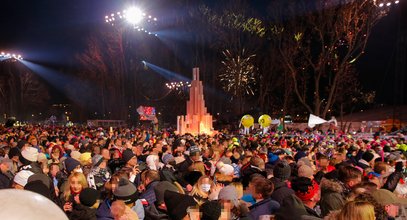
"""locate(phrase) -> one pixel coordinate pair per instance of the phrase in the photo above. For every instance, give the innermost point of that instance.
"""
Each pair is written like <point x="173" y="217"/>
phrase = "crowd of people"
<point x="134" y="173"/>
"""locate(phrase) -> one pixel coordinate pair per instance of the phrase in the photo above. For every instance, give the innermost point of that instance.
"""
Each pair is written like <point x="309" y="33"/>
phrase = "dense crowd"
<point x="123" y="173"/>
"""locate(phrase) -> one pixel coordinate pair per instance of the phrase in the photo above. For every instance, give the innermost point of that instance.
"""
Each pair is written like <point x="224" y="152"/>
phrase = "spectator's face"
<point x="54" y="170"/>
<point x="105" y="154"/>
<point x="132" y="162"/>
<point x="323" y="163"/>
<point x="75" y="185"/>
<point x="392" y="210"/>
<point x="4" y="167"/>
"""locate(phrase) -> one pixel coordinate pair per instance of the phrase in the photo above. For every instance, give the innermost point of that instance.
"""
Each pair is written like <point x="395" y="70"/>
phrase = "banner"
<point x="147" y="113"/>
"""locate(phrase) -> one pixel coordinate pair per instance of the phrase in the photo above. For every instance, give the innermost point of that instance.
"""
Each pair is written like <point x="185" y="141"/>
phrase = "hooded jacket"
<point x="332" y="197"/>
<point x="296" y="209"/>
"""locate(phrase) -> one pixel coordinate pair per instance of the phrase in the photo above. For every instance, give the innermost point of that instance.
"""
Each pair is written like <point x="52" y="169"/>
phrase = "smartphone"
<point x="142" y="166"/>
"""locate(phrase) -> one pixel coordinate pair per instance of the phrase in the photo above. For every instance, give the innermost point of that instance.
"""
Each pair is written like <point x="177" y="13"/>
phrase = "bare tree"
<point x="318" y="41"/>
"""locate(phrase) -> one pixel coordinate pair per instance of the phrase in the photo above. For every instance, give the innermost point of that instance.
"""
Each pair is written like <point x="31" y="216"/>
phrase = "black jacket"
<point x="392" y="181"/>
<point x="81" y="212"/>
<point x="281" y="190"/>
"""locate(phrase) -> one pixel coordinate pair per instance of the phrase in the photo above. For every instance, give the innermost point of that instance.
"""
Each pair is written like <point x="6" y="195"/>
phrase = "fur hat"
<point x="30" y="154"/>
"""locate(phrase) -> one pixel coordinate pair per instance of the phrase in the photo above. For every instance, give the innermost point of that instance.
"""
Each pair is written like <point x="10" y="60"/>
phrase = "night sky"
<point x="53" y="31"/>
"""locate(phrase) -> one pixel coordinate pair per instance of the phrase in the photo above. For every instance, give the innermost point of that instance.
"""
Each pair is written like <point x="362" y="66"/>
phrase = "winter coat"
<point x="81" y="212"/>
<point x="264" y="207"/>
<point x="392" y="181"/>
<point x="292" y="208"/>
<point x="33" y="167"/>
<point x="332" y="197"/>
<point x="5" y="181"/>
<point x="281" y="190"/>
<point x="149" y="193"/>
<point x="103" y="212"/>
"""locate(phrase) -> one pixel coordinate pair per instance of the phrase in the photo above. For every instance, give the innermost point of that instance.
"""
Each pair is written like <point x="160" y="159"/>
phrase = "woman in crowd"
<point x="70" y="195"/>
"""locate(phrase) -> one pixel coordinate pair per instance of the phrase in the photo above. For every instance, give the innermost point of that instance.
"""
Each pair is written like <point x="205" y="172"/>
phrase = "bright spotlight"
<point x="134" y="15"/>
<point x="381" y="5"/>
<point x="388" y="3"/>
<point x="396" y="2"/>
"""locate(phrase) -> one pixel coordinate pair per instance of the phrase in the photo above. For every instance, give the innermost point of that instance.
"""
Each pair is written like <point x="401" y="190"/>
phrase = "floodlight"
<point x="134" y="15"/>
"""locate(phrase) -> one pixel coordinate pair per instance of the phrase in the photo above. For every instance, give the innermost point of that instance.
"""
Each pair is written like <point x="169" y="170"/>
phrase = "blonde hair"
<point x="197" y="166"/>
<point x="82" y="180"/>
<point x="357" y="210"/>
<point x="239" y="189"/>
<point x="196" y="189"/>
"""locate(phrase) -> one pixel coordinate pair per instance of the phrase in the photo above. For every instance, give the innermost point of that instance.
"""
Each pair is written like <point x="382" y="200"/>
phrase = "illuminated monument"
<point x="197" y="120"/>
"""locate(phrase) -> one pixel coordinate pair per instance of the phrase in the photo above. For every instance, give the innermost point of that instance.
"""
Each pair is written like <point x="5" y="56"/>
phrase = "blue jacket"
<point x="264" y="207"/>
<point x="103" y="212"/>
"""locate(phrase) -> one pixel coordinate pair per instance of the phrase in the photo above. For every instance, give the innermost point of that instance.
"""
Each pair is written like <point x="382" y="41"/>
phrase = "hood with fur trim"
<point x="331" y="185"/>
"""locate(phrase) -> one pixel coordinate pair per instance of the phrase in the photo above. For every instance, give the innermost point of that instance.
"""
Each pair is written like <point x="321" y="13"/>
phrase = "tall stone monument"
<point x="197" y="120"/>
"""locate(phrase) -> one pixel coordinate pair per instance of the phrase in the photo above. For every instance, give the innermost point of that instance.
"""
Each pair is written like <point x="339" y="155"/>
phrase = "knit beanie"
<point x="125" y="191"/>
<point x="367" y="156"/>
<point x="127" y="155"/>
<point x="282" y="171"/>
<point x="210" y="210"/>
<point x="30" y="154"/>
<point x="70" y="164"/>
<point x="304" y="188"/>
<point x="89" y="196"/>
<point x="97" y="160"/>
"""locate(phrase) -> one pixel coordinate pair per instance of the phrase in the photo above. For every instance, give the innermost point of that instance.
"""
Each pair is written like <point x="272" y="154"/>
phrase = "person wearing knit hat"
<point x="89" y="197"/>
<point x="366" y="161"/>
<point x="99" y="174"/>
<point x="71" y="164"/>
<point x="282" y="171"/>
<point x="301" y="204"/>
<point x="306" y="171"/>
<point x="125" y="191"/>
<point x="28" y="158"/>
<point x="178" y="209"/>
<point x="21" y="179"/>
<point x="210" y="210"/>
<point x="89" y="202"/>
<point x="30" y="154"/>
<point x="129" y="158"/>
